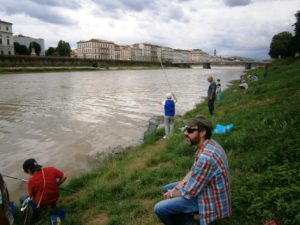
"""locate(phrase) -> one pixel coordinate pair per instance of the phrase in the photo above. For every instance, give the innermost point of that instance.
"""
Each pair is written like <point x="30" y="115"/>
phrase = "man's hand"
<point x="168" y="194"/>
<point x="61" y="180"/>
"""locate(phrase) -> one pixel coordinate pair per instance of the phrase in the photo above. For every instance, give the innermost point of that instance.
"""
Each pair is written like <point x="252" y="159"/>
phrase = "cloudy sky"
<point x="232" y="27"/>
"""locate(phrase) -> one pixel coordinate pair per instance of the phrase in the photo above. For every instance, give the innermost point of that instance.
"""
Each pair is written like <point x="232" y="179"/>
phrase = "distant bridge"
<point x="207" y="65"/>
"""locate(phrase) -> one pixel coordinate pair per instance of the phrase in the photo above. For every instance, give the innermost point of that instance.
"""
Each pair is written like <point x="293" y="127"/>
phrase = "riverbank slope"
<point x="263" y="151"/>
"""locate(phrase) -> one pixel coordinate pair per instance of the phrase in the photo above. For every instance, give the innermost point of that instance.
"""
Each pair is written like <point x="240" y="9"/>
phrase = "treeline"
<point x="284" y="44"/>
<point x="24" y="50"/>
<point x="62" y="49"/>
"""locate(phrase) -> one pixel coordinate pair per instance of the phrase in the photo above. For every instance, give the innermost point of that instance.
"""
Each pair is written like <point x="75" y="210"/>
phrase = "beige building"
<point x="155" y="53"/>
<point x="182" y="56"/>
<point x="6" y="39"/>
<point x="199" y="56"/>
<point x="136" y="54"/>
<point x="101" y="49"/>
<point x="158" y="49"/>
<point x="167" y="54"/>
<point x="96" y="49"/>
<point x="146" y="51"/>
<point x="125" y="52"/>
<point x="177" y="58"/>
<point x="117" y="52"/>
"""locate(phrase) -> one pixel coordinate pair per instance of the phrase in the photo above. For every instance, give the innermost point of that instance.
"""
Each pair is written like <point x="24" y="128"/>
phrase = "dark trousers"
<point x="183" y="219"/>
<point x="211" y="106"/>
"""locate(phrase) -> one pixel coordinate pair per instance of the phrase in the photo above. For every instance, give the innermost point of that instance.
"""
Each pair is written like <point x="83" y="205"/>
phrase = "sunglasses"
<point x="191" y="129"/>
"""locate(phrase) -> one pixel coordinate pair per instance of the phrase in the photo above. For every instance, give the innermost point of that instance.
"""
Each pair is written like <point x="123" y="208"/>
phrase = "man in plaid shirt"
<point x="205" y="189"/>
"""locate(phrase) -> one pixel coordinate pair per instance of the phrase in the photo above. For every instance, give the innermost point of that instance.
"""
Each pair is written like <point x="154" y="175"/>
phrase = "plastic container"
<point x="223" y="129"/>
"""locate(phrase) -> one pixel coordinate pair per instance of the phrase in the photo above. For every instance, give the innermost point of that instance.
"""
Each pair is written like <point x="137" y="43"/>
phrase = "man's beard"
<point x="191" y="142"/>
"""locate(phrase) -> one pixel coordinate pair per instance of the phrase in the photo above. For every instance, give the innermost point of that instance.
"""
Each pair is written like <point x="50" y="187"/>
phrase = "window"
<point x="6" y="27"/>
<point x="2" y="52"/>
<point x="0" y="41"/>
<point x="9" y="53"/>
<point x="8" y="41"/>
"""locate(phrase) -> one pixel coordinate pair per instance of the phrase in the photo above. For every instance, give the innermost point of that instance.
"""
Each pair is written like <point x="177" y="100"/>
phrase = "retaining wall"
<point x="43" y="61"/>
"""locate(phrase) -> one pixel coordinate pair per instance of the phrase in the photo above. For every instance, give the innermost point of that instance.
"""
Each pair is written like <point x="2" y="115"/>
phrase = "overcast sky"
<point x="232" y="27"/>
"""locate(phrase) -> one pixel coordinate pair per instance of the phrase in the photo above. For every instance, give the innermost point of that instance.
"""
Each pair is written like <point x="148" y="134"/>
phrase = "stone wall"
<point x="45" y="61"/>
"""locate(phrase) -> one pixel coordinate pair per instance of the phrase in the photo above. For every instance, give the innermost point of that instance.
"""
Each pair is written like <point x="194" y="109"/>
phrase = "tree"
<point x="21" y="49"/>
<point x="281" y="45"/>
<point x="63" y="48"/>
<point x="51" y="51"/>
<point x="36" y="46"/>
<point x="297" y="24"/>
<point x="296" y="38"/>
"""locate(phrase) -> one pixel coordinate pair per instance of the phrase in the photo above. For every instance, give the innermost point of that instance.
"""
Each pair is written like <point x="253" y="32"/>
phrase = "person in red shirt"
<point x="43" y="185"/>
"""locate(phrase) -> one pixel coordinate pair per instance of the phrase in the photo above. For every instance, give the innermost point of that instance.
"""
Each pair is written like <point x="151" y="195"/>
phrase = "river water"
<point x="65" y="119"/>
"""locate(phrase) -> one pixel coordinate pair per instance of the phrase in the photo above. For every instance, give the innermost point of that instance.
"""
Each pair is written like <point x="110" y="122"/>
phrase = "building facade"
<point x="155" y="53"/>
<point x="117" y="52"/>
<point x="186" y="56"/>
<point x="96" y="49"/>
<point x="125" y="51"/>
<point x="6" y="39"/>
<point x="167" y="54"/>
<point x="106" y="50"/>
<point x="136" y="54"/>
<point x="146" y="51"/>
<point x="198" y="56"/>
<point x="24" y="40"/>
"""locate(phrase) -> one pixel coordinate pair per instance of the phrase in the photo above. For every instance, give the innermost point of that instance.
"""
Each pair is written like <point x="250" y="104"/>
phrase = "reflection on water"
<point x="63" y="118"/>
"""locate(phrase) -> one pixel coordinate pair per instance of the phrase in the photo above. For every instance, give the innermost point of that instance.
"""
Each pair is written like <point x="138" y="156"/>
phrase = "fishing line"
<point x="165" y="74"/>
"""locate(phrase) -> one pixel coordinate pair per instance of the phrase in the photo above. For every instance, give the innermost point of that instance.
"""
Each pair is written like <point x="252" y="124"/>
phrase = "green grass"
<point x="263" y="151"/>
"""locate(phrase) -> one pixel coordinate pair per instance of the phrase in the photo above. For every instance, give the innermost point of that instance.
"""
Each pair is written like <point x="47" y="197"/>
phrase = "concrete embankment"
<point x="46" y="61"/>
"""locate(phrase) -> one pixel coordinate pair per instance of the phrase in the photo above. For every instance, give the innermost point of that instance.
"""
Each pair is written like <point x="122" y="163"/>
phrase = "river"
<point x="65" y="119"/>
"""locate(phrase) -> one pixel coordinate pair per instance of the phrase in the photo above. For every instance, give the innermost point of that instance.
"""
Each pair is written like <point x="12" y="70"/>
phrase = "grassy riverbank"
<point x="9" y="70"/>
<point x="263" y="152"/>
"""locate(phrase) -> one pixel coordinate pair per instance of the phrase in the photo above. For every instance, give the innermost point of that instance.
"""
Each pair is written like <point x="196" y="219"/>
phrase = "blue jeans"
<point x="177" y="210"/>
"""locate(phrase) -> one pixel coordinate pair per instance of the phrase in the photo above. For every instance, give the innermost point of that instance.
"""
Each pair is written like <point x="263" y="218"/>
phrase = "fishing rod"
<point x="20" y="179"/>
<point x="15" y="178"/>
<point x="165" y="74"/>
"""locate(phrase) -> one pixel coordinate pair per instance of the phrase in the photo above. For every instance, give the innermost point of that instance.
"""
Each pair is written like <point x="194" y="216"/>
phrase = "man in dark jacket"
<point x="211" y="94"/>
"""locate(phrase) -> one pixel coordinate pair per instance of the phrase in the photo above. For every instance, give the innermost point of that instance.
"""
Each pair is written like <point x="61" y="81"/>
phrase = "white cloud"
<point x="233" y="27"/>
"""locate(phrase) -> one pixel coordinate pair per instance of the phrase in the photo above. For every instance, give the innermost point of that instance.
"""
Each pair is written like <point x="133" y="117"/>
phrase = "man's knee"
<point x="157" y="208"/>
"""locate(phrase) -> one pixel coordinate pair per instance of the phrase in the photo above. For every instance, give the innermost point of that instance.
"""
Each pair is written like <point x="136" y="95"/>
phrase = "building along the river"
<point x="6" y="39"/>
<point x="96" y="49"/>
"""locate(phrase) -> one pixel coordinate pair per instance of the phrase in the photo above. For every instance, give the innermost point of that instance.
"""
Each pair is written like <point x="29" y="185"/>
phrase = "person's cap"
<point x="31" y="164"/>
<point x="168" y="95"/>
<point x="200" y="121"/>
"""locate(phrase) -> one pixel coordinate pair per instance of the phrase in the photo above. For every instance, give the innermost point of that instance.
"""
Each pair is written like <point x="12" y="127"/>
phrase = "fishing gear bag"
<point x="29" y="212"/>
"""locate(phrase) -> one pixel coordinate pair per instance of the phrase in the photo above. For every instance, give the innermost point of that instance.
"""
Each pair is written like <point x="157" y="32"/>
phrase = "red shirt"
<point x="48" y="189"/>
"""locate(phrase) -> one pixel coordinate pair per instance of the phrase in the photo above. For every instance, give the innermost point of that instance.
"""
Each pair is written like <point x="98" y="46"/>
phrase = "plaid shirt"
<point x="209" y="182"/>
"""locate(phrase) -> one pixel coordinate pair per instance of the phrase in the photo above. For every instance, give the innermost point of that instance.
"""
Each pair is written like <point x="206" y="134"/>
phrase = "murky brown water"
<point x="64" y="119"/>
